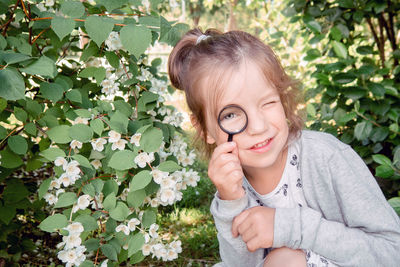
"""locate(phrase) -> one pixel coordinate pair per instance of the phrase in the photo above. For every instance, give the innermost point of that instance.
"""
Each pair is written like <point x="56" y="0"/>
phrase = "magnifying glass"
<point x="232" y="119"/>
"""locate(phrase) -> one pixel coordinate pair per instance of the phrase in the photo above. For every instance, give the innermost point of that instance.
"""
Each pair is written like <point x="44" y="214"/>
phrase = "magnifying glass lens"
<point x="233" y="119"/>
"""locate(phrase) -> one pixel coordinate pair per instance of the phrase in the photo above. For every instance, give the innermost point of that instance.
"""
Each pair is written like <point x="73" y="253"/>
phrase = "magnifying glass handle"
<point x="230" y="136"/>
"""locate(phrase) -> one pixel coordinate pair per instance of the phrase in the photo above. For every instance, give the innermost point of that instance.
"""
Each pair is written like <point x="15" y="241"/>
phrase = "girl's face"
<point x="262" y="144"/>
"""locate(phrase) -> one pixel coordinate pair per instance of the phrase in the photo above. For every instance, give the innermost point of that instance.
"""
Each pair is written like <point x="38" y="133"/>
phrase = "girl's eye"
<point x="229" y="116"/>
<point x="269" y="103"/>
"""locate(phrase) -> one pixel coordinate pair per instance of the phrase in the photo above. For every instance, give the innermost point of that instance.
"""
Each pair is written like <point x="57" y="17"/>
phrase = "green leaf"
<point x="171" y="35"/>
<point x="109" y="187"/>
<point x="384" y="171"/>
<point x="395" y="203"/>
<point x="15" y="191"/>
<point x="381" y="159"/>
<point x="98" y="28"/>
<point x="80" y="132"/>
<point x="109" y="251"/>
<point x="66" y="199"/>
<point x="98" y="73"/>
<point x="140" y="180"/>
<point x="135" y="198"/>
<point x="135" y="244"/>
<point x="52" y="153"/>
<point x="92" y="244"/>
<point x="52" y="223"/>
<point x="110" y="5"/>
<point x="44" y="187"/>
<point x="169" y="166"/>
<point x="88" y="222"/>
<point x="122" y="160"/>
<point x="12" y="85"/>
<point x="10" y="160"/>
<point x="62" y="26"/>
<point x="3" y="42"/>
<point x="135" y="39"/>
<point x="314" y="26"/>
<point x="10" y="57"/>
<point x="340" y="49"/>
<point x="18" y="144"/>
<point x="149" y="217"/>
<point x="113" y="59"/>
<point x="109" y="202"/>
<point x="7" y="214"/>
<point x="120" y="212"/>
<point x="151" y="140"/>
<point x="33" y="107"/>
<point x="83" y="161"/>
<point x="74" y="95"/>
<point x="59" y="134"/>
<point x="44" y="66"/>
<point x="51" y="91"/>
<point x="123" y="107"/>
<point x="311" y="110"/>
<point x="362" y="130"/>
<point x="119" y="122"/>
<point x="89" y="189"/>
<point x="72" y="9"/>
<point x="20" y="114"/>
<point x="97" y="126"/>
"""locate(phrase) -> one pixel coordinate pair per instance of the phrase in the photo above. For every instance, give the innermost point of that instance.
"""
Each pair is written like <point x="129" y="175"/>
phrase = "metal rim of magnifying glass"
<point x="232" y="106"/>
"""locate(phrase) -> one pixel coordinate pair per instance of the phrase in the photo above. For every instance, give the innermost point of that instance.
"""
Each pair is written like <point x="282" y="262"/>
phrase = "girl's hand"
<point x="256" y="226"/>
<point x="225" y="171"/>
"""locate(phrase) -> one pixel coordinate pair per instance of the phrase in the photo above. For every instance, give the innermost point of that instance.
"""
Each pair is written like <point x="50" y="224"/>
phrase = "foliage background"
<point x="345" y="54"/>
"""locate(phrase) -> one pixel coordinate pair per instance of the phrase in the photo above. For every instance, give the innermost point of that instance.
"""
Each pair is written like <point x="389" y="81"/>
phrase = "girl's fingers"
<point x="223" y="149"/>
<point x="237" y="221"/>
<point x="247" y="233"/>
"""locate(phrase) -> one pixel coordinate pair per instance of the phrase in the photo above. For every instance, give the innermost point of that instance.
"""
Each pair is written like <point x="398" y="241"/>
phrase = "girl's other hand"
<point x="225" y="171"/>
<point x="256" y="226"/>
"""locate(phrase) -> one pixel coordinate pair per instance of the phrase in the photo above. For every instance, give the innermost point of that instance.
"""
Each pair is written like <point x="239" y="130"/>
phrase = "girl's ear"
<point x="208" y="138"/>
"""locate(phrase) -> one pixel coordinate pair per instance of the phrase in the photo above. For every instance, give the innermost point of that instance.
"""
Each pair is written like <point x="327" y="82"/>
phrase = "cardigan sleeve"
<point x="366" y="234"/>
<point x="233" y="251"/>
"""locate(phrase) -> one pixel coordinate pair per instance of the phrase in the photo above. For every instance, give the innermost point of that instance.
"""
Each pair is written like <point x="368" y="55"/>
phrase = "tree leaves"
<point x="122" y="160"/>
<point x="98" y="28"/>
<point x="54" y="222"/>
<point x="12" y="86"/>
<point x="62" y="26"/>
<point x="44" y="66"/>
<point x="135" y="39"/>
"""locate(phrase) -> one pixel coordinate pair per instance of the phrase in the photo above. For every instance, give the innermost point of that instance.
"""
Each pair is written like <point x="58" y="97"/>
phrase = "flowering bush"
<point x="77" y="95"/>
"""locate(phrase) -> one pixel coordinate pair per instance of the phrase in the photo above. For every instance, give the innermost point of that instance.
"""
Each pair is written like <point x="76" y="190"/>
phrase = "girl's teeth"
<point x="261" y="144"/>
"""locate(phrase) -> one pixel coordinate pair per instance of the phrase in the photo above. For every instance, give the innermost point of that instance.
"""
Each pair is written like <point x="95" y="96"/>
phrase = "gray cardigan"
<point x="347" y="219"/>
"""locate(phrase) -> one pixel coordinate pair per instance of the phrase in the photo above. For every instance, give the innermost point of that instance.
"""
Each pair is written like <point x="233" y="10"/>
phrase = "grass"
<point x="190" y="220"/>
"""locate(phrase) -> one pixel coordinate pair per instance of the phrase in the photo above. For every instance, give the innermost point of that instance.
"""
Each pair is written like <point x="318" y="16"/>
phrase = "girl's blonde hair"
<point x="212" y="60"/>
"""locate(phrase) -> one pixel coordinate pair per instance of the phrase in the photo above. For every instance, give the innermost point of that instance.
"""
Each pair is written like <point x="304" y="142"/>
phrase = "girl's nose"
<point x="257" y="123"/>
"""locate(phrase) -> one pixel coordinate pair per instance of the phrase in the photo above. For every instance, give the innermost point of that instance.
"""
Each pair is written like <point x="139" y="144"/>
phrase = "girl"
<point x="285" y="196"/>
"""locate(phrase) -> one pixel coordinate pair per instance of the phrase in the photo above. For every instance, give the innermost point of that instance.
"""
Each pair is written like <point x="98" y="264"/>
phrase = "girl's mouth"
<point x="263" y="146"/>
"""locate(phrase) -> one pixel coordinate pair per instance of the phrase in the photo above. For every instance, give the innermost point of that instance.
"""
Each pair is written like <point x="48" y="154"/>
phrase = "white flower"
<point x="104" y="263"/>
<point x="153" y="230"/>
<point x="146" y="4"/>
<point x="122" y="228"/>
<point x="120" y="144"/>
<point x="113" y="42"/>
<point x="72" y="168"/>
<point x="96" y="163"/>
<point x="154" y="202"/>
<point x="135" y="139"/>
<point x="82" y="203"/>
<point x="171" y="255"/>
<point x="65" y="180"/>
<point x="60" y="161"/>
<point x="54" y="184"/>
<point x="81" y="120"/>
<point x="50" y="198"/>
<point x="133" y="223"/>
<point x="146" y="237"/>
<point x="41" y="7"/>
<point x="146" y="249"/>
<point x="159" y="251"/>
<point x="167" y="196"/>
<point x="168" y="182"/>
<point x="114" y="136"/>
<point x="59" y="191"/>
<point x="158" y="175"/>
<point x="72" y="241"/>
<point x="176" y="245"/>
<point x="146" y="75"/>
<point x="98" y="144"/>
<point x="73" y="256"/>
<point x="76" y="144"/>
<point x="124" y="194"/>
<point x="74" y="228"/>
<point x="143" y="158"/>
<point x="49" y="3"/>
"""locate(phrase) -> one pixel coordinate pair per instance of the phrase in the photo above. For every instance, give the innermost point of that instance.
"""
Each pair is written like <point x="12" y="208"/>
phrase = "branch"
<point x="376" y="38"/>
